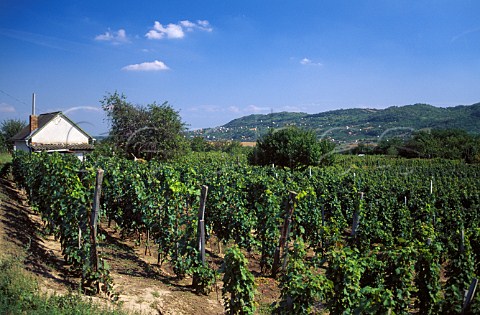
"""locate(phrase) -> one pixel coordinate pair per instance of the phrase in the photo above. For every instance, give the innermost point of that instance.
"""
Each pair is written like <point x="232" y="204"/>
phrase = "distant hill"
<point x="350" y="125"/>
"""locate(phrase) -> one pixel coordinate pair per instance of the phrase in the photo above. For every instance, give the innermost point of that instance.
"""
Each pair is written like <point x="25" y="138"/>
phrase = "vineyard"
<point x="368" y="235"/>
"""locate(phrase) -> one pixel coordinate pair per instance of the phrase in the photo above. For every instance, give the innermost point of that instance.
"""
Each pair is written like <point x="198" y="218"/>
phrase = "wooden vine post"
<point x="82" y="226"/>
<point x="201" y="223"/>
<point x="94" y="219"/>
<point x="469" y="295"/>
<point x="285" y="230"/>
<point x="323" y="226"/>
<point x="356" y="217"/>
<point x="462" y="241"/>
<point x="201" y="232"/>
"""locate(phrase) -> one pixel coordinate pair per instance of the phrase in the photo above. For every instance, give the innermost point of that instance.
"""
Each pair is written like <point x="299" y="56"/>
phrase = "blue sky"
<point x="214" y="61"/>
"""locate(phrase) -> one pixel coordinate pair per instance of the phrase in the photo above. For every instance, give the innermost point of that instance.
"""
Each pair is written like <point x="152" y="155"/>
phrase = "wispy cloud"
<point x="257" y="109"/>
<point x="118" y="37"/>
<point x="147" y="66"/>
<point x="6" y="108"/>
<point x="309" y="62"/>
<point x="465" y="33"/>
<point x="42" y="40"/>
<point x="176" y="31"/>
<point x="234" y="109"/>
<point x="288" y="108"/>
<point x="230" y="109"/>
<point x="206" y="108"/>
<point x="202" y="25"/>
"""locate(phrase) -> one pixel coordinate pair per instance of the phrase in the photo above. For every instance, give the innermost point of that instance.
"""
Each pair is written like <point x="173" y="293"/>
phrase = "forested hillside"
<point x="348" y="125"/>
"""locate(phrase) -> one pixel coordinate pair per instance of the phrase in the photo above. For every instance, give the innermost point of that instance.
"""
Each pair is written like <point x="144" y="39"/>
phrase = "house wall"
<point x="80" y="155"/>
<point x="59" y="130"/>
<point x="21" y="146"/>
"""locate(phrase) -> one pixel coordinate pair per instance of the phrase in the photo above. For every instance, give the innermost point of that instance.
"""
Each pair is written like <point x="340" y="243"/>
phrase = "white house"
<point x="53" y="132"/>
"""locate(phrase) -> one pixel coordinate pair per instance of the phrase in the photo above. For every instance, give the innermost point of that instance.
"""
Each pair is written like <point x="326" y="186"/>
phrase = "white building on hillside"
<point x="53" y="132"/>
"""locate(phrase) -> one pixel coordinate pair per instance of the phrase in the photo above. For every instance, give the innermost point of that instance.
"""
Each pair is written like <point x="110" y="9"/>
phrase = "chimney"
<point x="33" y="117"/>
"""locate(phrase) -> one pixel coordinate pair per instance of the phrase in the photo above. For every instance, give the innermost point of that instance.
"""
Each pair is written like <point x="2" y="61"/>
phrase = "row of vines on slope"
<point x="376" y="235"/>
<point x="62" y="192"/>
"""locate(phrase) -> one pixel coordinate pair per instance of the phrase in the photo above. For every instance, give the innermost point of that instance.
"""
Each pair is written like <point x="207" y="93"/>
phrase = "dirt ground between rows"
<point x="142" y="286"/>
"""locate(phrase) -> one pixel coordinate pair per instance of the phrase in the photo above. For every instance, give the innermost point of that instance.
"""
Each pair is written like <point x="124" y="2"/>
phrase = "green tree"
<point x="443" y="143"/>
<point x="292" y="147"/>
<point x="150" y="132"/>
<point x="8" y="129"/>
<point x="390" y="146"/>
<point x="199" y="144"/>
<point x="234" y="147"/>
<point x="106" y="147"/>
<point x="471" y="152"/>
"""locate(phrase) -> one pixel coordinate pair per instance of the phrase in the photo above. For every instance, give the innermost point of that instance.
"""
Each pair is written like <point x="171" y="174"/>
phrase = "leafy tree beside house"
<point x="149" y="132"/>
<point x="8" y="129"/>
<point x="292" y="147"/>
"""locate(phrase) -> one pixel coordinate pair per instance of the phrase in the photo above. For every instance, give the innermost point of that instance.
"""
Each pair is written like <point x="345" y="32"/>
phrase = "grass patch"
<point x="264" y="308"/>
<point x="19" y="294"/>
<point x="5" y="164"/>
<point x="5" y="157"/>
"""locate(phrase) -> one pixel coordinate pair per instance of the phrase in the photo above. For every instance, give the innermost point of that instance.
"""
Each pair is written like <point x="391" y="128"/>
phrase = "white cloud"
<point x="204" y="25"/>
<point x="206" y="108"/>
<point x="234" y="109"/>
<point x="230" y="109"/>
<point x="177" y="31"/>
<point x="288" y="108"/>
<point x="147" y="66"/>
<point x="189" y="26"/>
<point x="6" y="108"/>
<point x="170" y="31"/>
<point x="309" y="62"/>
<point x="118" y="37"/>
<point x="305" y="61"/>
<point x="257" y="109"/>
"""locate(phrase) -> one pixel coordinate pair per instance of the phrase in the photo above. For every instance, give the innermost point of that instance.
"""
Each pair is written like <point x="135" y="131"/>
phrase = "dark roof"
<point x="44" y="119"/>
<point x="72" y="147"/>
